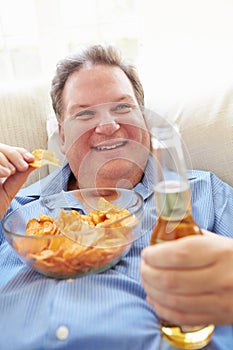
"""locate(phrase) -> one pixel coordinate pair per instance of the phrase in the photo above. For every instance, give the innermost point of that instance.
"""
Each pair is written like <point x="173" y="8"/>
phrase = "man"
<point x="98" y="102"/>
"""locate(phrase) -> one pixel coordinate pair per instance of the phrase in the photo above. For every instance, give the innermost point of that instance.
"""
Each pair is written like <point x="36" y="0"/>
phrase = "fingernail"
<point x="12" y="168"/>
<point x="22" y="163"/>
<point x="28" y="155"/>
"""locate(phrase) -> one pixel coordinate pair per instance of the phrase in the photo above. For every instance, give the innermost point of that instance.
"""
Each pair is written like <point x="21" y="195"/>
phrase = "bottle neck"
<point x="171" y="184"/>
<point x="173" y="199"/>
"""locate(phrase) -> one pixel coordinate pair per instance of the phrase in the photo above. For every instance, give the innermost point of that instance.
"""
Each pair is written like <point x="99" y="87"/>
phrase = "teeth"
<point x="102" y="148"/>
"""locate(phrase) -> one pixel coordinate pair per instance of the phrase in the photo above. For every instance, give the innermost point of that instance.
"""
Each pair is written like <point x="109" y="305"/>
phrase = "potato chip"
<point x="105" y="206"/>
<point x="44" y="157"/>
<point x="25" y="246"/>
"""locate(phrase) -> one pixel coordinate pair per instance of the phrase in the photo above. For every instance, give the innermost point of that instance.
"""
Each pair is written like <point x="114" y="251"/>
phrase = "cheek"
<point x="73" y="136"/>
<point x="76" y="144"/>
<point x="139" y="134"/>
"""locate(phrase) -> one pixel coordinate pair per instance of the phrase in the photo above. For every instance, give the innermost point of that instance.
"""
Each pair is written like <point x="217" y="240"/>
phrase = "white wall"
<point x="186" y="47"/>
<point x="181" y="47"/>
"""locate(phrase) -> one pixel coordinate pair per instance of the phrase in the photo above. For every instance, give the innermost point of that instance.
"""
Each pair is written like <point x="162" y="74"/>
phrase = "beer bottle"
<point x="174" y="219"/>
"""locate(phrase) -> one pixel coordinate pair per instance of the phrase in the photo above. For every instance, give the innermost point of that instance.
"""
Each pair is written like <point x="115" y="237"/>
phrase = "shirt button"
<point x="62" y="332"/>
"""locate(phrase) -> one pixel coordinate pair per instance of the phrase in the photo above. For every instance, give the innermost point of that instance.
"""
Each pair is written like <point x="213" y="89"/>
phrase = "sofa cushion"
<point x="205" y="121"/>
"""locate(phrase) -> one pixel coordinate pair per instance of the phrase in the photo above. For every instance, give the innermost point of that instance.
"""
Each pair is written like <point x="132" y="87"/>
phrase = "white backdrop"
<point x="177" y="40"/>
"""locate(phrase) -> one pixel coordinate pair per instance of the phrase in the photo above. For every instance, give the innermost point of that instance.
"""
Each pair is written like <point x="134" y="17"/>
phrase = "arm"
<point x="14" y="168"/>
<point x="190" y="281"/>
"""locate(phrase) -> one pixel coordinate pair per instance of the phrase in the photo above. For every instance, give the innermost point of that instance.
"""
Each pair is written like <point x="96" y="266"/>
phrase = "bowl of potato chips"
<point x="75" y="233"/>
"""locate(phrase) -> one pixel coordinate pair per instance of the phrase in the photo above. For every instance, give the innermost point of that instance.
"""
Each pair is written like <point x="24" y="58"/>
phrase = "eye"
<point x="84" y="114"/>
<point x="122" y="108"/>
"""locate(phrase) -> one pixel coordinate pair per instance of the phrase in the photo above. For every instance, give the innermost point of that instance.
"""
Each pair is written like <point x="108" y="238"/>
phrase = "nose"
<point x="107" y="127"/>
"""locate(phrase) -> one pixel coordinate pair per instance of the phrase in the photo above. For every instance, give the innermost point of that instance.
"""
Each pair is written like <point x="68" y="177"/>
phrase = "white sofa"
<point x="205" y="121"/>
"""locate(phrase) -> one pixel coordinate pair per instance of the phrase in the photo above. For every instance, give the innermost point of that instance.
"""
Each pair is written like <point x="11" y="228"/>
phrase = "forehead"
<point x="96" y="84"/>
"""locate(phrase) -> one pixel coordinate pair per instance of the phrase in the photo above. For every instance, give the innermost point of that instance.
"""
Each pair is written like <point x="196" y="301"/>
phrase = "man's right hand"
<point x="14" y="170"/>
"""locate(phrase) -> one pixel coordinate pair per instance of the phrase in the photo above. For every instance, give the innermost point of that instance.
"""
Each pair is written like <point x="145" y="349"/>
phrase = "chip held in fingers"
<point x="44" y="157"/>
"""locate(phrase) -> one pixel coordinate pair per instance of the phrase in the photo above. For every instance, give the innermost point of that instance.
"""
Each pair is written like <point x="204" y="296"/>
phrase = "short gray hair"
<point x="94" y="54"/>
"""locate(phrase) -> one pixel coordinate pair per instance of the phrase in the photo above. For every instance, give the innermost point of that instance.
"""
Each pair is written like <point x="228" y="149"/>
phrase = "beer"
<point x="174" y="212"/>
<point x="174" y="217"/>
<point x="175" y="221"/>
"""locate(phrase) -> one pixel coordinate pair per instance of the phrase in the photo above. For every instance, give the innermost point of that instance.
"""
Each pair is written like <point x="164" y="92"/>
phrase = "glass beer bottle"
<point x="174" y="220"/>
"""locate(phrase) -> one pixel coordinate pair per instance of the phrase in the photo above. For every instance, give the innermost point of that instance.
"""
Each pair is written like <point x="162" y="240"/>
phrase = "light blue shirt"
<point x="107" y="311"/>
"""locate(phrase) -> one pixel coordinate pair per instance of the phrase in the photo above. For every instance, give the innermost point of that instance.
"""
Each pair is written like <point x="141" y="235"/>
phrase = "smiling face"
<point x="103" y="132"/>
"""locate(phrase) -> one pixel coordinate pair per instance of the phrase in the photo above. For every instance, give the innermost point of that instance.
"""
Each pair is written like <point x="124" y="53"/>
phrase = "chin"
<point x="122" y="173"/>
<point x="119" y="173"/>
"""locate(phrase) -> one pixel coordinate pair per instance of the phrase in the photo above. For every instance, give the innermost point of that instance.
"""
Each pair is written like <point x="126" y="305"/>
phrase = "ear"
<point x="62" y="138"/>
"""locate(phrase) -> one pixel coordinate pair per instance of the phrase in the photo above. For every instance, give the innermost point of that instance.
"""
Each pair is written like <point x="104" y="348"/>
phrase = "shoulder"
<point x="53" y="183"/>
<point x="201" y="178"/>
<point x="212" y="202"/>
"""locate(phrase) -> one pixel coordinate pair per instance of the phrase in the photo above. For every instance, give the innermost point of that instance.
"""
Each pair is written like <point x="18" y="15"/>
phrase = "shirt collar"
<point x="57" y="182"/>
<point x="146" y="186"/>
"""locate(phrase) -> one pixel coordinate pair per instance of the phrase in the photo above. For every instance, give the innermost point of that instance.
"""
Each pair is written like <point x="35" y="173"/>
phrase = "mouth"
<point x="105" y="147"/>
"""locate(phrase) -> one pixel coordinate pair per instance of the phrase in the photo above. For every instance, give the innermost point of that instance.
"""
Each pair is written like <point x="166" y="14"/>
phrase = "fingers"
<point x="13" y="159"/>
<point x="10" y="187"/>
<point x="181" y="303"/>
<point x="182" y="252"/>
<point x="189" y="281"/>
<point x="14" y="170"/>
<point x="213" y="278"/>
<point x="180" y="300"/>
<point x="6" y="168"/>
<point x="179" y="281"/>
<point x="194" y="310"/>
<point x="179" y="317"/>
<point x="12" y="184"/>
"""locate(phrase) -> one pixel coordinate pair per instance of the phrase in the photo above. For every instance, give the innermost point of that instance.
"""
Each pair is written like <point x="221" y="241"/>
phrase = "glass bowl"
<point x="75" y="233"/>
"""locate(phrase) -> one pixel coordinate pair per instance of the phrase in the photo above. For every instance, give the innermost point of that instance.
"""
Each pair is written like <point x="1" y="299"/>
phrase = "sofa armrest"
<point x="23" y="113"/>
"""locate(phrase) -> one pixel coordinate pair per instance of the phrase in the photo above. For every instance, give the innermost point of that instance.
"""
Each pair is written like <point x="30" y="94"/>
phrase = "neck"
<point x="72" y="183"/>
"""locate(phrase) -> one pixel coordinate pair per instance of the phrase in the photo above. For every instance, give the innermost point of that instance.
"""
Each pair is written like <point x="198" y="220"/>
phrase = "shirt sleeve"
<point x="223" y="207"/>
<point x="212" y="203"/>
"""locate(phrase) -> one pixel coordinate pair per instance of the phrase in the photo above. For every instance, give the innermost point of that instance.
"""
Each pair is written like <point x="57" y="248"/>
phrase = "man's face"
<point x="103" y="132"/>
